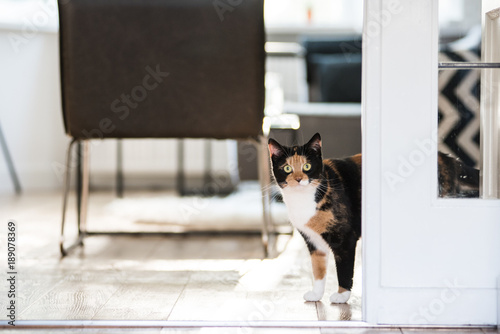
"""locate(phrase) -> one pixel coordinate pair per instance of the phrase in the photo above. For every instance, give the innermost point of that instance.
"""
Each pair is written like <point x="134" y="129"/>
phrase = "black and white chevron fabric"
<point x="458" y="104"/>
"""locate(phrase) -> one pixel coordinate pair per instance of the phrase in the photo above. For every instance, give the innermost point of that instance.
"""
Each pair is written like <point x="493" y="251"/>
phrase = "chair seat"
<point x="161" y="69"/>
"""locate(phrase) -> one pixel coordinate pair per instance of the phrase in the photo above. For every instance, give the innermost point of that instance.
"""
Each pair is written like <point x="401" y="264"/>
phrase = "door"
<point x="427" y="260"/>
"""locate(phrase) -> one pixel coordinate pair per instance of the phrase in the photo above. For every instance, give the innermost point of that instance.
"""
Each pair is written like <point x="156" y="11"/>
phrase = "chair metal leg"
<point x="67" y="175"/>
<point x="181" y="177"/>
<point x="82" y="193"/>
<point x="119" y="168"/>
<point x="84" y="197"/>
<point x="10" y="164"/>
<point x="79" y="172"/>
<point x="207" y="173"/>
<point x="265" y="184"/>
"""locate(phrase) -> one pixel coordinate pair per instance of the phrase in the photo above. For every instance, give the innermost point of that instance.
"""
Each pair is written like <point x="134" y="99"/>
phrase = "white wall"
<point x="426" y="260"/>
<point x="30" y="111"/>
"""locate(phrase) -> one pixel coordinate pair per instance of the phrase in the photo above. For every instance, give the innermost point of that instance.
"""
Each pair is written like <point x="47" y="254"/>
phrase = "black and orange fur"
<point x="337" y="199"/>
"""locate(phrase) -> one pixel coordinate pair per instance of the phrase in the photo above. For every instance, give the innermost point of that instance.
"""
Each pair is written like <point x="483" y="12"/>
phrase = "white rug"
<point x="167" y="212"/>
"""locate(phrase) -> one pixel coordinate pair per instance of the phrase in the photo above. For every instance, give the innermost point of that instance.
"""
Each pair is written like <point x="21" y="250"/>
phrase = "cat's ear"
<point x="315" y="143"/>
<point x="275" y="149"/>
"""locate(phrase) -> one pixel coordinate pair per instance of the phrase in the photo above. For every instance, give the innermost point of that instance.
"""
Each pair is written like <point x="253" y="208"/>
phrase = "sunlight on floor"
<point x="160" y="278"/>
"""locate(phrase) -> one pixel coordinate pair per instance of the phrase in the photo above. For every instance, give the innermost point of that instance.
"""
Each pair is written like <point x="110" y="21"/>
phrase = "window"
<point x="468" y="101"/>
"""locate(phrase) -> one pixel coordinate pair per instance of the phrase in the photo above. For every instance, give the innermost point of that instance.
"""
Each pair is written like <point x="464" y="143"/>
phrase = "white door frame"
<point x="426" y="260"/>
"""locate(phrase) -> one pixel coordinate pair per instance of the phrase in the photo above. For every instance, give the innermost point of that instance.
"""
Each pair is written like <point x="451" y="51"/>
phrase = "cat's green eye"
<point x="287" y="169"/>
<point x="306" y="167"/>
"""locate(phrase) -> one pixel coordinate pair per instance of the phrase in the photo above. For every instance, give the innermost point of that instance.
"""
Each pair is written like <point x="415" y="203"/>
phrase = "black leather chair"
<point x="160" y="69"/>
<point x="334" y="68"/>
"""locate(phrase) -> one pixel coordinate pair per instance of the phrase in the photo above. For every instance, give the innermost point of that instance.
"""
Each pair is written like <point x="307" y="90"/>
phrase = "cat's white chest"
<point x="301" y="208"/>
<point x="300" y="204"/>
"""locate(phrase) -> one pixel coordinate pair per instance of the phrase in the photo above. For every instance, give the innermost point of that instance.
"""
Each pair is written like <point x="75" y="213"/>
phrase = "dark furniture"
<point x="333" y="68"/>
<point x="160" y="69"/>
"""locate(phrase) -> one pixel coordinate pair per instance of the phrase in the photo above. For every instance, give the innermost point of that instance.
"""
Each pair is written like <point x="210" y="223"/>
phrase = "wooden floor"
<point x="160" y="278"/>
<point x="164" y="278"/>
<point x="249" y="330"/>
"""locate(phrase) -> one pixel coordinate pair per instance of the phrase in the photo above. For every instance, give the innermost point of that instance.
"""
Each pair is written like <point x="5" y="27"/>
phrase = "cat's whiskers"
<point x="268" y="187"/>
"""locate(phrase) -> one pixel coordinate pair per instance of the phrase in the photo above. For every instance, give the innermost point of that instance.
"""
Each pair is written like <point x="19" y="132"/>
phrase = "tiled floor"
<point x="249" y="330"/>
<point x="174" y="278"/>
<point x="171" y="279"/>
<point x="158" y="278"/>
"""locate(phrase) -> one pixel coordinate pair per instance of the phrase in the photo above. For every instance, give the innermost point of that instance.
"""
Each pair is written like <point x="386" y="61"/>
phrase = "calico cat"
<point x="323" y="199"/>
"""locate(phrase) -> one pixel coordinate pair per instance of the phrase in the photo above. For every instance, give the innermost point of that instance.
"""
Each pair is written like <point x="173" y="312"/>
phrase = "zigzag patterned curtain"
<point x="458" y="104"/>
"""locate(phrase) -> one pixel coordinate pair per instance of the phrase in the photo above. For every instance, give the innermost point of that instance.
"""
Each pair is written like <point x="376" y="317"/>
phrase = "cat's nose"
<point x="298" y="179"/>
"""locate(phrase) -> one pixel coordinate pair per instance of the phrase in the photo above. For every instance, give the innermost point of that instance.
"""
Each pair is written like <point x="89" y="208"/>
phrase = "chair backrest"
<point x="162" y="68"/>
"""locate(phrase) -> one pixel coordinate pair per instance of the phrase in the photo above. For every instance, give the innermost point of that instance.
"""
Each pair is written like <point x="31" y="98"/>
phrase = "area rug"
<point x="168" y="212"/>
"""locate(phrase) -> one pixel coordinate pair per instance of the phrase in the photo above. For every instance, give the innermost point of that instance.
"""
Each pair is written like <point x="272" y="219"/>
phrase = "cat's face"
<point x="298" y="165"/>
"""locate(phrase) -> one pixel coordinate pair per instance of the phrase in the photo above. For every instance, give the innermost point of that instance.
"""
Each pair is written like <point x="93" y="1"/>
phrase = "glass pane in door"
<point x="458" y="113"/>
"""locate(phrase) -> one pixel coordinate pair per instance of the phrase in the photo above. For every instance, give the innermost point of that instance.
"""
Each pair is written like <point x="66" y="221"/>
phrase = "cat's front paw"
<point x="340" y="298"/>
<point x="312" y="296"/>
